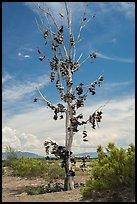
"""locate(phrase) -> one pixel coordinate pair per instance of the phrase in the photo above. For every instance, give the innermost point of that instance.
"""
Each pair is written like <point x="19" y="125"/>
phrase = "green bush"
<point x="29" y="167"/>
<point x="114" y="171"/>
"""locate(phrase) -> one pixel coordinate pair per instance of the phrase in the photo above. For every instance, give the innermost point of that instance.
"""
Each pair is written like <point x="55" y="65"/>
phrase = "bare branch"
<point x="65" y="51"/>
<point x="38" y="26"/>
<point x="56" y="26"/>
<point x="69" y="28"/>
<point x="74" y="54"/>
<point x="82" y="23"/>
<point x="84" y="60"/>
<point x="40" y="7"/>
<point x="76" y="42"/>
<point x="102" y="107"/>
<point x="79" y="57"/>
<point x="44" y="27"/>
<point x="92" y="55"/>
<point x="48" y="13"/>
<point x="71" y="38"/>
<point x="49" y="26"/>
<point x="74" y="46"/>
<point x="49" y="104"/>
<point x="42" y="96"/>
<point x="52" y="43"/>
<point x="68" y="18"/>
<point x="53" y="19"/>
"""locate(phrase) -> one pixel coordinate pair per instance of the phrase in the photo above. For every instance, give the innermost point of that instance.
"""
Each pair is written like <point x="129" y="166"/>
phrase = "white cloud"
<point x="118" y="59"/>
<point x="19" y="140"/>
<point x="117" y="85"/>
<point x="6" y="77"/>
<point x="19" y="54"/>
<point x="9" y="137"/>
<point x="17" y="90"/>
<point x="24" y="52"/>
<point x="32" y="6"/>
<point x="27" y="56"/>
<point x="125" y="8"/>
<point x="55" y="7"/>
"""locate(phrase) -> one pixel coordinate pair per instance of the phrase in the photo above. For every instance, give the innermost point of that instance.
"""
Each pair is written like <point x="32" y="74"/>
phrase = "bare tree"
<point x="63" y="65"/>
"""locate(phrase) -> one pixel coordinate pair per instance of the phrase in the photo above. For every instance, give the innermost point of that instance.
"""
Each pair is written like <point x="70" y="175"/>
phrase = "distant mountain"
<point x="91" y="154"/>
<point x="33" y="155"/>
<point x="23" y="154"/>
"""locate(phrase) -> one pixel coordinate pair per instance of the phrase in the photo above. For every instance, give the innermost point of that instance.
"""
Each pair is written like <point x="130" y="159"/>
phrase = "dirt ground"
<point x="13" y="190"/>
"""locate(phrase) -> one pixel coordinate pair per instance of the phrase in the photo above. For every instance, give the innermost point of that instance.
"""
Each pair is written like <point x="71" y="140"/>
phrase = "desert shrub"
<point x="55" y="172"/>
<point x="11" y="155"/>
<point x="35" y="190"/>
<point x="29" y="167"/>
<point x="114" y="172"/>
<point x="57" y="187"/>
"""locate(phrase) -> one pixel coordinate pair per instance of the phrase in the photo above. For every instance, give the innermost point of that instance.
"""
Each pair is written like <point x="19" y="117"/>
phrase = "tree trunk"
<point x="69" y="179"/>
<point x="68" y="183"/>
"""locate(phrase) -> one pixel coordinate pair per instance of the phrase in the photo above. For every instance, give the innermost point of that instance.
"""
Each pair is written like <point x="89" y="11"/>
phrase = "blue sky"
<point x="26" y="125"/>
